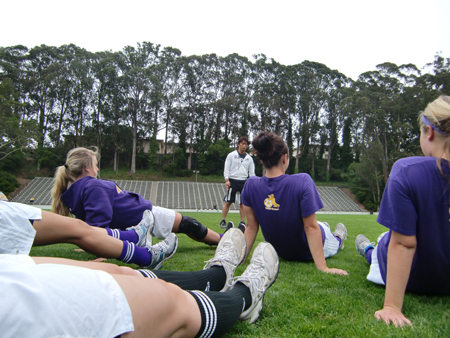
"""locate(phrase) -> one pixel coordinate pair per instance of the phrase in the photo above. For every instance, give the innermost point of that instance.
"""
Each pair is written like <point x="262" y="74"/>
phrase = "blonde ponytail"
<point x="78" y="159"/>
<point x="61" y="184"/>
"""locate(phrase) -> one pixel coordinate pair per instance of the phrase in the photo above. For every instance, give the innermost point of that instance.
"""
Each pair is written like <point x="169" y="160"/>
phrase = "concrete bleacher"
<point x="181" y="195"/>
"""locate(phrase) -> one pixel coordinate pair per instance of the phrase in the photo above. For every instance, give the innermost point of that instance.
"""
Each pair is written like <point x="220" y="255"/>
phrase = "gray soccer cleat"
<point x="230" y="253"/>
<point x="361" y="243"/>
<point x="223" y="224"/>
<point x="258" y="277"/>
<point x="326" y="224"/>
<point x="162" y="251"/>
<point x="144" y="229"/>
<point x="341" y="232"/>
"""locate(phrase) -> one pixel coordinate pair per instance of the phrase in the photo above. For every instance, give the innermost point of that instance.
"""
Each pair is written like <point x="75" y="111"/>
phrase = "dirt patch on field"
<point x="349" y="193"/>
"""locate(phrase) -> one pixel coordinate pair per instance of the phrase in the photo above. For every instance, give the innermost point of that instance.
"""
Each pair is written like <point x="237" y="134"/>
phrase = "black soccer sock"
<point x="212" y="279"/>
<point x="221" y="310"/>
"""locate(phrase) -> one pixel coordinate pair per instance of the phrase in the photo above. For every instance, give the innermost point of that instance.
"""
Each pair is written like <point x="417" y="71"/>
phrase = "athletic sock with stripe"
<point x="124" y="235"/>
<point x="135" y="255"/>
<point x="221" y="310"/>
<point x="212" y="279"/>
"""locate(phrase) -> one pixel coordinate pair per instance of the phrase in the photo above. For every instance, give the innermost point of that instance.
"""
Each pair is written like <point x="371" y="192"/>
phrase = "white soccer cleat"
<point x="361" y="243"/>
<point x="258" y="277"/>
<point x="162" y="251"/>
<point x="341" y="232"/>
<point x="230" y="253"/>
<point x="144" y="229"/>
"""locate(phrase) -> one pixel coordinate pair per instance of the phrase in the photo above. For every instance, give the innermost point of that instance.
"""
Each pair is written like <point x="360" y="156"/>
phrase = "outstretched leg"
<point x="53" y="228"/>
<point x="203" y="314"/>
<point x="194" y="229"/>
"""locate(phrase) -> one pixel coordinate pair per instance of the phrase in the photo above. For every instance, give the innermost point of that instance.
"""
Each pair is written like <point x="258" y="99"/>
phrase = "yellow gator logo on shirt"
<point x="270" y="203"/>
<point x="119" y="191"/>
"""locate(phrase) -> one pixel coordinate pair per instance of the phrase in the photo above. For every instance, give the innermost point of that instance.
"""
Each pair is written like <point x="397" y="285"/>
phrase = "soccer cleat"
<point x="258" y="277"/>
<point x="362" y="244"/>
<point x="162" y="251"/>
<point x="242" y="226"/>
<point x="144" y="229"/>
<point x="223" y="224"/>
<point x="229" y="254"/>
<point x="341" y="232"/>
<point x="229" y="226"/>
<point x="326" y="224"/>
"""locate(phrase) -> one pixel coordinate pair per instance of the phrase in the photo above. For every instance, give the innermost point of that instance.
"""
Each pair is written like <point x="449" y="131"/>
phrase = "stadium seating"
<point x="181" y="195"/>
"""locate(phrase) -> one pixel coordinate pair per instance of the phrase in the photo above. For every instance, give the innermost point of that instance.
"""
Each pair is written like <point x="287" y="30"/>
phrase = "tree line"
<point x="56" y="98"/>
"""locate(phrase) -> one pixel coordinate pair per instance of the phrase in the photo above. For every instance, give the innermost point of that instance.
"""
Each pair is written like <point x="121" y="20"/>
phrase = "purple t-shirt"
<point x="279" y="204"/>
<point x="416" y="202"/>
<point x="103" y="204"/>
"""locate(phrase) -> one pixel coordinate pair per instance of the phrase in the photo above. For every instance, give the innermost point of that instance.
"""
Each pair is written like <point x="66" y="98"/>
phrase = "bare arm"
<point x="251" y="230"/>
<point x="314" y="236"/>
<point x="400" y="256"/>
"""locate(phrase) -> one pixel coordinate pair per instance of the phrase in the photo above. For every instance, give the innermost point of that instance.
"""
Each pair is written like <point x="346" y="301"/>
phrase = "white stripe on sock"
<point x="148" y="273"/>
<point x="210" y="314"/>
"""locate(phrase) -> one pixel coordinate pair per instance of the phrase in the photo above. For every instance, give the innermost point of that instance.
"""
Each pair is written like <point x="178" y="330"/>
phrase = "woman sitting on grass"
<point x="285" y="206"/>
<point x="103" y="204"/>
<point x="415" y="254"/>
<point x="55" y="297"/>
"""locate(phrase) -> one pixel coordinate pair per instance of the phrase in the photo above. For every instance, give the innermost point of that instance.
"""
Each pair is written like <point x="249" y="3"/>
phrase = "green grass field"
<point x="305" y="302"/>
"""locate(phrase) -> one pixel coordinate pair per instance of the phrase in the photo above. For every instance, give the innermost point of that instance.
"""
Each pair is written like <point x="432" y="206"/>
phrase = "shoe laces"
<point x="159" y="248"/>
<point x="255" y="275"/>
<point x="227" y="253"/>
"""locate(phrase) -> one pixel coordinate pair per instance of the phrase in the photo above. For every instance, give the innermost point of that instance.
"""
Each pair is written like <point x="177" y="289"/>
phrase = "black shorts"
<point x="235" y="186"/>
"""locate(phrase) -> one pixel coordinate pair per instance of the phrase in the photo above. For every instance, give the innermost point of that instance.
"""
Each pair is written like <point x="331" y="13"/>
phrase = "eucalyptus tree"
<point x="12" y="66"/>
<point x="41" y="70"/>
<point x="83" y="79"/>
<point x="311" y="84"/>
<point x="333" y="114"/>
<point x="15" y="129"/>
<point x="107" y="100"/>
<point x="15" y="134"/>
<point x="198" y="93"/>
<point x="263" y="97"/>
<point x="382" y="117"/>
<point x="234" y="104"/>
<point x="168" y="75"/>
<point x="441" y="74"/>
<point x="136" y="67"/>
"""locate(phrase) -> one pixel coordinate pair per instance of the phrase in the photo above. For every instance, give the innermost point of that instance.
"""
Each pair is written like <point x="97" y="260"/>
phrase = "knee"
<point x="192" y="228"/>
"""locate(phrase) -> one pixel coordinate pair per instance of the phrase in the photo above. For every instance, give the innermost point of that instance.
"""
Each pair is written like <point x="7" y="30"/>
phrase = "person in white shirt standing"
<point x="239" y="167"/>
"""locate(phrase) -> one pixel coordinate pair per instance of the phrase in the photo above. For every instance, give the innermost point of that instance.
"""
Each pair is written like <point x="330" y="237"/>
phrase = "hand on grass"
<point x="335" y="271"/>
<point x="390" y="314"/>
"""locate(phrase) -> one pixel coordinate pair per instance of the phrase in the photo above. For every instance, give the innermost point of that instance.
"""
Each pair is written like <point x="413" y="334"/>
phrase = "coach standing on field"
<point x="239" y="167"/>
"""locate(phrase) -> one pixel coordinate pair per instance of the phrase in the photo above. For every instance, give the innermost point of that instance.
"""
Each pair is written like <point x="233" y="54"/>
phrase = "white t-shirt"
<point x="52" y="300"/>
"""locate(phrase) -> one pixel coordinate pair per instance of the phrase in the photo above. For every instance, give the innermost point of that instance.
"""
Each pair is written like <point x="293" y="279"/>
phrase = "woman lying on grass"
<point x="285" y="206"/>
<point x="414" y="256"/>
<point x="55" y="297"/>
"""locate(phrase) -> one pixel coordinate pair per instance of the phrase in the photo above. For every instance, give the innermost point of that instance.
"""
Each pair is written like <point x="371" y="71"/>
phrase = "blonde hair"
<point x="78" y="159"/>
<point x="438" y="114"/>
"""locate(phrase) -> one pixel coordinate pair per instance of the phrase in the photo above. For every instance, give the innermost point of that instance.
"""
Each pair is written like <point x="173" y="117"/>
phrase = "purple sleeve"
<point x="310" y="201"/>
<point x="98" y="204"/>
<point x="397" y="211"/>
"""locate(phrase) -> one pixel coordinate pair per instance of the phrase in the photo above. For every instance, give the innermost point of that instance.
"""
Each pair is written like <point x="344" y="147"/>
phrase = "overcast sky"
<point x="352" y="36"/>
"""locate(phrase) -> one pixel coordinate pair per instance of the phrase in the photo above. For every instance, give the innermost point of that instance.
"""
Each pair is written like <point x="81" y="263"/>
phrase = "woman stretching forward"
<point x="103" y="204"/>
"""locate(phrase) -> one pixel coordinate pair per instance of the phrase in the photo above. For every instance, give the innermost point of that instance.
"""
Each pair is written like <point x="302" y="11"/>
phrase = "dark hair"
<point x="243" y="138"/>
<point x="269" y="147"/>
